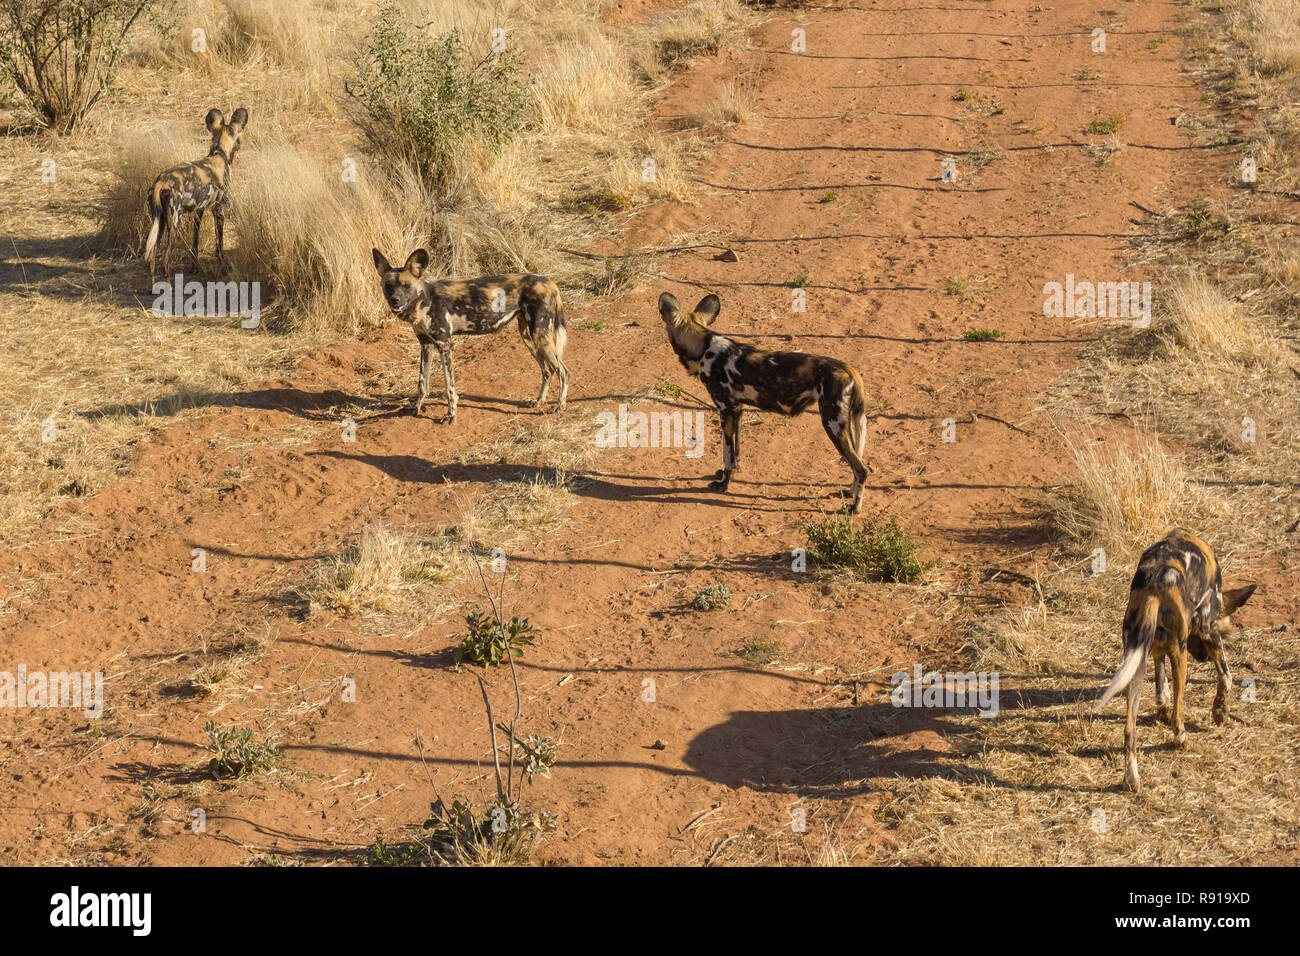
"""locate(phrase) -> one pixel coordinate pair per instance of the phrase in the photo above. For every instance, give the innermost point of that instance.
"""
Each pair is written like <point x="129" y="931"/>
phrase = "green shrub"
<point x="880" y="547"/>
<point x="428" y="101"/>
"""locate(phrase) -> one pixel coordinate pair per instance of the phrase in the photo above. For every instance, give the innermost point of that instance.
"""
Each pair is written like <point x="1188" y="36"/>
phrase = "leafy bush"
<point x="429" y="102"/>
<point x="487" y="640"/>
<point x="880" y="547"/>
<point x="61" y="54"/>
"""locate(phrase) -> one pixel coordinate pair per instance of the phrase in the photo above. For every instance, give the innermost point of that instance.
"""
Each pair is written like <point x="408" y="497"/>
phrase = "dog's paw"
<point x="719" y="484"/>
<point x="447" y="419"/>
<point x="1180" y="741"/>
<point x="1163" y="714"/>
<point x="532" y="403"/>
<point x="1220" y="712"/>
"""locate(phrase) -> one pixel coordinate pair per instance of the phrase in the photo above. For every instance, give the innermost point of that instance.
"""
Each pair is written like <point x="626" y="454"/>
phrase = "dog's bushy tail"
<point x="159" y="201"/>
<point x="857" y="413"/>
<point x="1139" y="633"/>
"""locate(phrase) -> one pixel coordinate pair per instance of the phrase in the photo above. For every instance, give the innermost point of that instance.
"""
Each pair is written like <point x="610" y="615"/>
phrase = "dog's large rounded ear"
<point x="417" y="262"/>
<point x="381" y="262"/>
<point x="239" y="120"/>
<point x="668" y="308"/>
<point x="213" y="120"/>
<point x="708" y="309"/>
<point x="1234" y="598"/>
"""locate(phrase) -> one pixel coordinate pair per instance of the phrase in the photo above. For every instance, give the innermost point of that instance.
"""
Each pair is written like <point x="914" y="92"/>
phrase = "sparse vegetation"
<point x="1107" y="126"/>
<point x="715" y="597"/>
<point x="982" y="335"/>
<point x="878" y="547"/>
<point x="237" y="753"/>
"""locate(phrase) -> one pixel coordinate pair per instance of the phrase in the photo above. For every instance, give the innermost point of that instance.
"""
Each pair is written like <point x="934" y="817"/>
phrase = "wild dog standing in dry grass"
<point x="438" y="310"/>
<point x="195" y="187"/>
<point x="1175" y="604"/>
<point x="786" y="382"/>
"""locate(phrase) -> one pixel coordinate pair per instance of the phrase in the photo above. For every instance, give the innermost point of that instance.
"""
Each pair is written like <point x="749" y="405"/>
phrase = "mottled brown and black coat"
<point x="737" y="375"/>
<point x="437" y="310"/>
<point x="1176" y="606"/>
<point x="195" y="187"/>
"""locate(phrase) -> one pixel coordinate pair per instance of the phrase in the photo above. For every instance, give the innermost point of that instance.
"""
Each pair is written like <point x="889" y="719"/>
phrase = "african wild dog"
<point x="440" y="309"/>
<point x="195" y="187"/>
<point x="1175" y="604"/>
<point x="785" y="382"/>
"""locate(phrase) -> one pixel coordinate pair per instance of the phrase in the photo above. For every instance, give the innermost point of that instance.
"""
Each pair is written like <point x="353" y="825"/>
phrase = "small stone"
<point x="659" y="745"/>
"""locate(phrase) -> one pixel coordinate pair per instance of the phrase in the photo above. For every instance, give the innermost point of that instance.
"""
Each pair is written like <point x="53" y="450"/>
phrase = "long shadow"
<point x="1067" y="144"/>
<point x="799" y="189"/>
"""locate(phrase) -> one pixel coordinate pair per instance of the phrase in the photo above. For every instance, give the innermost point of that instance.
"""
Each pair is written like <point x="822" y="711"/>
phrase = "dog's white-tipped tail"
<point x="1139" y="633"/>
<point x="151" y="243"/>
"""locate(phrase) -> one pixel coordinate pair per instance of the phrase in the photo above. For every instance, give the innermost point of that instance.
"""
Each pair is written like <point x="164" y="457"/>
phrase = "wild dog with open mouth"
<point x="439" y="309"/>
<point x="195" y="187"/>
<point x="786" y="382"/>
<point x="1175" y="604"/>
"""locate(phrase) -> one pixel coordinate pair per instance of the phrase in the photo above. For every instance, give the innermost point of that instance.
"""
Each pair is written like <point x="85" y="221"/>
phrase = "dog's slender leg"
<point x="1220" y="711"/>
<point x="1162" y="690"/>
<point x="730" y="421"/>
<point x="449" y="378"/>
<point x="842" y="436"/>
<point x="194" y="249"/>
<point x="1131" y="779"/>
<point x="556" y="356"/>
<point x="219" y="222"/>
<point x="1178" y="662"/>
<point x="422" y="387"/>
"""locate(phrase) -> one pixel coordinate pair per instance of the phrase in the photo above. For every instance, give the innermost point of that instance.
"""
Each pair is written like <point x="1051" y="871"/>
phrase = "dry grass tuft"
<point x="1272" y="30"/>
<point x="1127" y="495"/>
<point x="384" y="574"/>
<point x="1201" y="318"/>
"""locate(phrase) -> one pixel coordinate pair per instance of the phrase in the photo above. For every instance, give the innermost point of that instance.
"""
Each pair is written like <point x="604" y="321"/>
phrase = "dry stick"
<point x="496" y="756"/>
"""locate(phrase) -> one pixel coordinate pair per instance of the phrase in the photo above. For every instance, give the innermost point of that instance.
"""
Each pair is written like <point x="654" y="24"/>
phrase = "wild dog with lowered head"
<point x="195" y="187"/>
<point x="1175" y="604"/>
<point x="439" y="309"/>
<point x="785" y="382"/>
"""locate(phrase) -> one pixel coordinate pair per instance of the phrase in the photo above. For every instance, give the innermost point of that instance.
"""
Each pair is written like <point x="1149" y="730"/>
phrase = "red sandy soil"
<point x="867" y="114"/>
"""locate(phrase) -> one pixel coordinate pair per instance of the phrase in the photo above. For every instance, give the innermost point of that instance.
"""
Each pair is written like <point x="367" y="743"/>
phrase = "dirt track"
<point x="839" y="184"/>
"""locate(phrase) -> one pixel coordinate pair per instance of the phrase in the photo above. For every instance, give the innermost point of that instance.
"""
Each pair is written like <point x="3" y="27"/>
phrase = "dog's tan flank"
<point x="1176" y="605"/>
<point x="787" y="382"/>
<point x="195" y="187"/>
<point x="439" y="310"/>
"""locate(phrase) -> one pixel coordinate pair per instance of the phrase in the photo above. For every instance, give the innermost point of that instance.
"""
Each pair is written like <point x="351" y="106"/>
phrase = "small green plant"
<point x="594" y="325"/>
<point x="1087" y="74"/>
<point x="799" y="282"/>
<point x="1106" y="127"/>
<point x="381" y="854"/>
<point x="713" y="598"/>
<point x="537" y="755"/>
<point x="982" y="335"/>
<point x="235" y="752"/>
<point x="829" y="196"/>
<point x="964" y="287"/>
<point x="759" y="650"/>
<point x="880" y="547"/>
<point x="1155" y="43"/>
<point x="488" y="639"/>
<point x="668" y="389"/>
<point x="962" y="96"/>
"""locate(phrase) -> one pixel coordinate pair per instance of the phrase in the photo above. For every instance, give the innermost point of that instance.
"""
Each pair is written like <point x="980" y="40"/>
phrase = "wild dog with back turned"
<point x="195" y="187"/>
<point x="1176" y="605"/>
